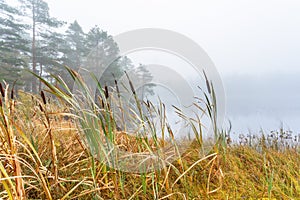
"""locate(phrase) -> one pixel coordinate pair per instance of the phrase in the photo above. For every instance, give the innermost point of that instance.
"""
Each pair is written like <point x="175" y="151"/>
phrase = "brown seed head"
<point x="2" y="90"/>
<point x="43" y="97"/>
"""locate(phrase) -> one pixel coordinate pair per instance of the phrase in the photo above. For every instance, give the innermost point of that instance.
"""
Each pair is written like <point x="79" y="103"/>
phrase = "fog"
<point x="255" y="102"/>
<point x="254" y="44"/>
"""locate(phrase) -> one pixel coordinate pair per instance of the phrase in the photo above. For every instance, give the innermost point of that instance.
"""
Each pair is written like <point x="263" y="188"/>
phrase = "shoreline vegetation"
<point x="55" y="144"/>
<point x="45" y="153"/>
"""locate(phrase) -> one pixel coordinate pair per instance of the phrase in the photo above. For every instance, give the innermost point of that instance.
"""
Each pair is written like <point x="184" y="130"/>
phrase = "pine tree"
<point x="75" y="50"/>
<point x="104" y="57"/>
<point x="13" y="44"/>
<point x="49" y="55"/>
<point x="143" y="76"/>
<point x="41" y="22"/>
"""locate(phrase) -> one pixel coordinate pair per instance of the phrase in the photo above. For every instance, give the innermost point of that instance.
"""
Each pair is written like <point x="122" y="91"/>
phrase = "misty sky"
<point x="254" y="44"/>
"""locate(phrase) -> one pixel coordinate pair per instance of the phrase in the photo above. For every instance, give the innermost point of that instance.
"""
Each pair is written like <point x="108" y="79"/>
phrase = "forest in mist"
<point x="32" y="40"/>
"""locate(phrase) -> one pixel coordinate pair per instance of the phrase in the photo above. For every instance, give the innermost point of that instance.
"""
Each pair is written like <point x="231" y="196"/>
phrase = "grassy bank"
<point x="43" y="157"/>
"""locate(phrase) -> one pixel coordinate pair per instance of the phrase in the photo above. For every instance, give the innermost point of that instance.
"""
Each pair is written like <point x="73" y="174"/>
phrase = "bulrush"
<point x="117" y="88"/>
<point x="131" y="85"/>
<point x="12" y="93"/>
<point x="106" y="92"/>
<point x="207" y="83"/>
<point x="2" y="90"/>
<point x="43" y="97"/>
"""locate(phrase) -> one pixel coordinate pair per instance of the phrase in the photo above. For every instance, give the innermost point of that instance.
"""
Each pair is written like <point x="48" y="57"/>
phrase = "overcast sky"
<point x="254" y="44"/>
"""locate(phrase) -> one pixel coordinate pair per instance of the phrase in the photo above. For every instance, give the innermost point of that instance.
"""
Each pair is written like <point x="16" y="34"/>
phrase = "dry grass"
<point x="43" y="157"/>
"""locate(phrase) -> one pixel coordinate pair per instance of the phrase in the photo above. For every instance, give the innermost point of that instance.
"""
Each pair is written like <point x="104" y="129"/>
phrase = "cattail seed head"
<point x="131" y="85"/>
<point x="2" y="90"/>
<point x="207" y="83"/>
<point x="12" y="93"/>
<point x="117" y="88"/>
<point x="43" y="97"/>
<point x="106" y="92"/>
<point x="41" y="107"/>
<point x="148" y="103"/>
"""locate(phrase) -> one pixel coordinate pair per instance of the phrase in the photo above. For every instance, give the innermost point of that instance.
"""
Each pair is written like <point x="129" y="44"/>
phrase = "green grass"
<point x="46" y="155"/>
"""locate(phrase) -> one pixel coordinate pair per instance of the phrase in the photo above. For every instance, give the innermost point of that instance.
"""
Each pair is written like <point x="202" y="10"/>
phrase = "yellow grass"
<point x="69" y="171"/>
